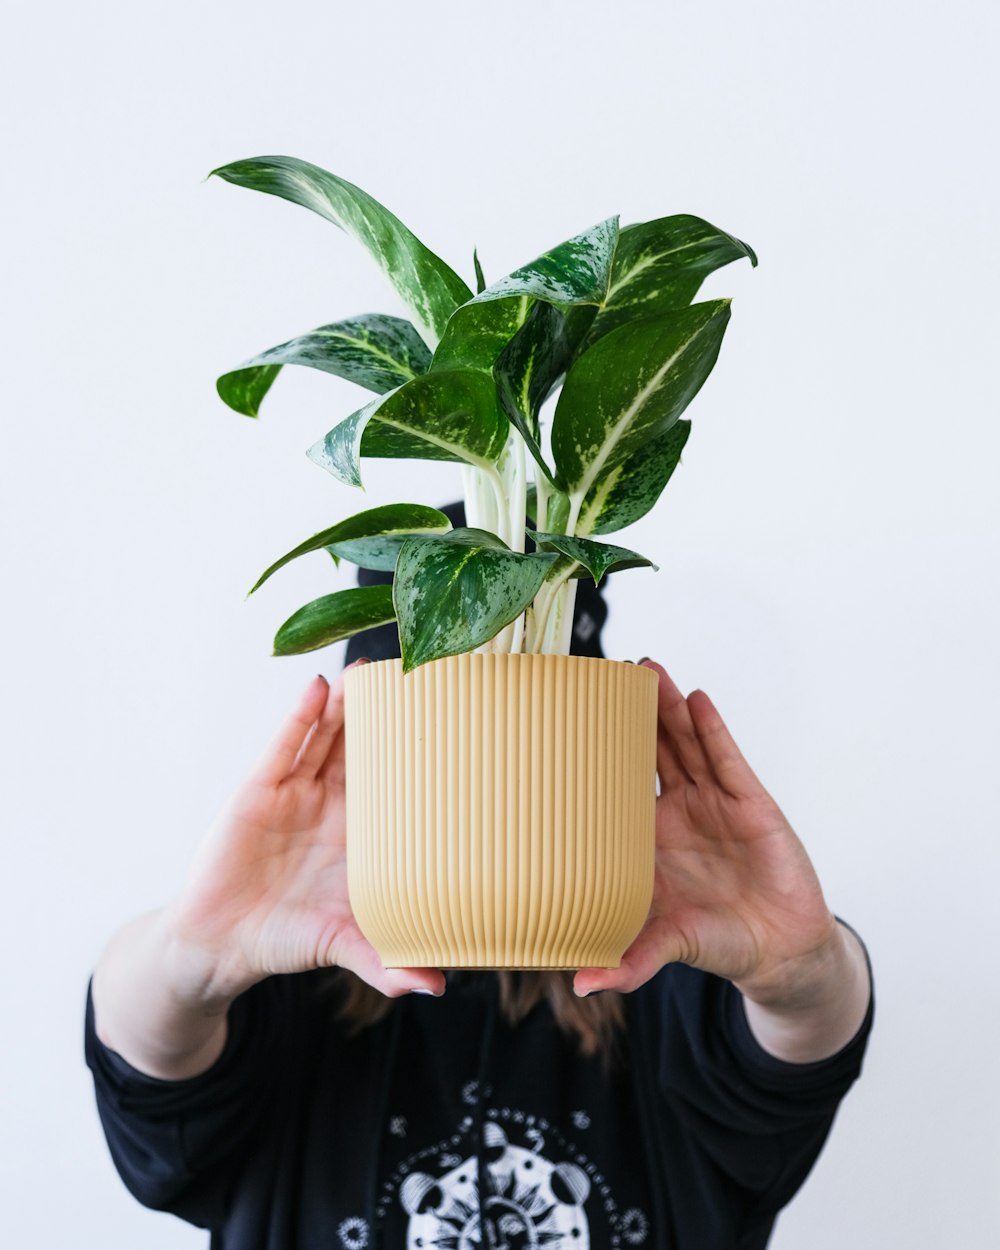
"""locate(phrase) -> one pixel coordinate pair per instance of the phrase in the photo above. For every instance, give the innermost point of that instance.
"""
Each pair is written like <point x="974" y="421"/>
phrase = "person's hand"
<point x="267" y="890"/>
<point x="735" y="893"/>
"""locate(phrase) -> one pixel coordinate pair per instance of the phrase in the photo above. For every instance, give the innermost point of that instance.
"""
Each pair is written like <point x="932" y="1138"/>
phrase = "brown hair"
<point x="596" y="1022"/>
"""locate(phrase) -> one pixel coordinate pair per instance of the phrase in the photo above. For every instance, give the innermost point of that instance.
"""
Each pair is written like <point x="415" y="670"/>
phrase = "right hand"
<point x="267" y="890"/>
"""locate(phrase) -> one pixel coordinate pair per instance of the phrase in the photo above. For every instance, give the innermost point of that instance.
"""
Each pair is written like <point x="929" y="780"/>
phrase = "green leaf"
<point x="630" y="388"/>
<point x="440" y="416"/>
<point x="243" y="389"/>
<point x="515" y="328"/>
<point x="478" y="333"/>
<point x="480" y="280"/>
<point x="527" y="370"/>
<point x="593" y="558"/>
<point x="374" y="535"/>
<point x="632" y="487"/>
<point x="660" y="265"/>
<point x="376" y="351"/>
<point x="523" y="342"/>
<point x="428" y="287"/>
<point x="334" y="617"/>
<point x="575" y="272"/>
<point x="458" y="591"/>
<point x="478" y="336"/>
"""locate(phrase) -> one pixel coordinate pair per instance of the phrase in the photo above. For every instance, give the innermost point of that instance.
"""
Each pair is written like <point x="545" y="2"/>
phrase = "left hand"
<point x="735" y="893"/>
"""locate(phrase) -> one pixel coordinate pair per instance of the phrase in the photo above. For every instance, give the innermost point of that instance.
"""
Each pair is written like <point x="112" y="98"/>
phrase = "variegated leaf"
<point x="334" y="617"/>
<point x="440" y="416"/>
<point x="428" y="287"/>
<point x="523" y="341"/>
<point x="477" y="334"/>
<point x="660" y="265"/>
<point x="527" y="370"/>
<point x="373" y="350"/>
<point x="575" y="272"/>
<point x="371" y="539"/>
<point x="630" y="388"/>
<point x="458" y="591"/>
<point x="590" y="557"/>
<point x="631" y="488"/>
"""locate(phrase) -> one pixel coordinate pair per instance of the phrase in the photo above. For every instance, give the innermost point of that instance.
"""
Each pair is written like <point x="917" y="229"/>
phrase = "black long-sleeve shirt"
<point x="412" y="1132"/>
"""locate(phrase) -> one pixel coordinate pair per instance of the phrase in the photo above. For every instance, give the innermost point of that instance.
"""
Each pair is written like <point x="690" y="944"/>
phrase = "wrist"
<point x="805" y="980"/>
<point x="161" y="1001"/>
<point x="200" y="977"/>
<point x="819" y="1007"/>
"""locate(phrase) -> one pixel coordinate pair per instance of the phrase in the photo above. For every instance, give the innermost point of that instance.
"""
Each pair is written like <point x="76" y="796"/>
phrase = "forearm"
<point x="817" y="1007"/>
<point x="159" y="1004"/>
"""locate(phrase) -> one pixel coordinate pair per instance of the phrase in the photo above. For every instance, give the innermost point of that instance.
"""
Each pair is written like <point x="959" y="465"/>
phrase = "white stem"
<point x="549" y="624"/>
<point x="480" y="499"/>
<point x="517" y="642"/>
<point x="480" y="513"/>
<point x="562" y="640"/>
<point x="542" y="492"/>
<point x="511" y="490"/>
<point x="539" y="617"/>
<point x="517" y="490"/>
<point x="501" y="524"/>
<point x="556" y="634"/>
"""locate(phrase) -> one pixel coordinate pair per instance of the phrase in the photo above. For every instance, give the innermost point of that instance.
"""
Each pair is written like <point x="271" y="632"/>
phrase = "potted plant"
<point x="500" y="791"/>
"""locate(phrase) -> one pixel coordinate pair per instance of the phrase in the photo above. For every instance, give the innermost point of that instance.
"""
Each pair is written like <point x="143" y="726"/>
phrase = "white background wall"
<point x="828" y="549"/>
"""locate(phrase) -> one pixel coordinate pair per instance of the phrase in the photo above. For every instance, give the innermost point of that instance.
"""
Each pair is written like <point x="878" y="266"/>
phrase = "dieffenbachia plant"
<point x="608" y="314"/>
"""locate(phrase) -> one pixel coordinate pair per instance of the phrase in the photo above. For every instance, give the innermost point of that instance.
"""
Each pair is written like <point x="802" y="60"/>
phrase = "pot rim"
<point x="364" y="662"/>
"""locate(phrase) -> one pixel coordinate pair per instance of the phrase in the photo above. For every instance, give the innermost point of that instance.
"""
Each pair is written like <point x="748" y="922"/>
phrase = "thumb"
<point x="354" y="952"/>
<point x="650" y="952"/>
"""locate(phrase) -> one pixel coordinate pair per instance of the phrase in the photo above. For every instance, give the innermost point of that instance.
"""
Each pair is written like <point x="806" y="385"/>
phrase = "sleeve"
<point x="762" y="1120"/>
<point x="178" y="1145"/>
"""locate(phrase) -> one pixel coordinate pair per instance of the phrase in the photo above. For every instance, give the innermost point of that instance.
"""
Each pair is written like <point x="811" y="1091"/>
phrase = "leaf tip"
<point x="218" y="172"/>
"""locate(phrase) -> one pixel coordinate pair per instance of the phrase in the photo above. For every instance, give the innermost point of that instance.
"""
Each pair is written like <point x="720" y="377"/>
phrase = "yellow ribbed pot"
<point x="500" y="809"/>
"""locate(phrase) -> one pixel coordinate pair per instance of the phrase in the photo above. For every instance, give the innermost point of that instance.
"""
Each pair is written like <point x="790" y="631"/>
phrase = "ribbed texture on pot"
<point x="500" y="809"/>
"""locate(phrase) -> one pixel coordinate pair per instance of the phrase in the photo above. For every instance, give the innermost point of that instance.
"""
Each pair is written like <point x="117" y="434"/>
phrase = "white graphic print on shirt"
<point x="532" y="1198"/>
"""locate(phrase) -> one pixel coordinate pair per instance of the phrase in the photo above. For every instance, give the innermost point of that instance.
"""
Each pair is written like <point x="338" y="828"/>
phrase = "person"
<point x="259" y="1073"/>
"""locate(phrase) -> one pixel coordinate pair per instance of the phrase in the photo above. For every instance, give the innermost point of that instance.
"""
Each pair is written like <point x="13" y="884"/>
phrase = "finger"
<point x="644" y="958"/>
<point x="331" y="766"/>
<point x="316" y="748"/>
<point x="356" y="953"/>
<point x="727" y="761"/>
<point x="278" y="758"/>
<point x="675" y="721"/>
<point x="668" y="766"/>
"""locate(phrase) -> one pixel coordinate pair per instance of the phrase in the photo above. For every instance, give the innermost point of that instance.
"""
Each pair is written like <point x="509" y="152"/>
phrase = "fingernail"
<point x="422" y="989"/>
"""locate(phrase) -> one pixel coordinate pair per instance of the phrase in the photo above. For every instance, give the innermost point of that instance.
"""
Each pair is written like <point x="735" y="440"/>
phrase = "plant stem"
<point x="501" y="526"/>
<point x="562" y="632"/>
<point x="511" y="486"/>
<point x="542" y="492"/>
<point x="556" y="630"/>
<point x="517" y="488"/>
<point x="480" y="499"/>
